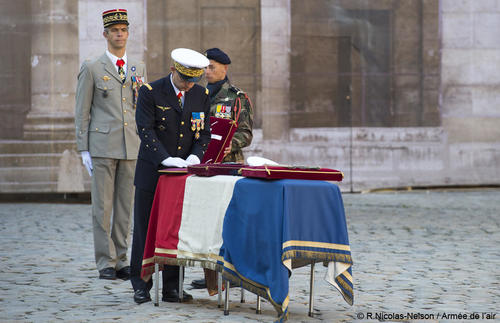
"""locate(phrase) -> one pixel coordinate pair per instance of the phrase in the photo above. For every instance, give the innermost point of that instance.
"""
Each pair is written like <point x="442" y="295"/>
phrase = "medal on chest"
<point x="223" y="111"/>
<point x="197" y="123"/>
<point x="137" y="82"/>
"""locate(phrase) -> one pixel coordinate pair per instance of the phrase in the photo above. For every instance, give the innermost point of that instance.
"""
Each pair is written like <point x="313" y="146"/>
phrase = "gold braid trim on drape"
<point x="260" y="291"/>
<point x="347" y="298"/>
<point x="317" y="255"/>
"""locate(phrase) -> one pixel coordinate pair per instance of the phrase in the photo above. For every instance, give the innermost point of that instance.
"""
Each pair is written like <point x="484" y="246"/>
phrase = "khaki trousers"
<point x="112" y="200"/>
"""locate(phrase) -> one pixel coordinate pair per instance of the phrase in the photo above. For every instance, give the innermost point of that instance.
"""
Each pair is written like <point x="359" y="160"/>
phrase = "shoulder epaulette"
<point x="206" y="91"/>
<point x="148" y="86"/>
<point x="236" y="90"/>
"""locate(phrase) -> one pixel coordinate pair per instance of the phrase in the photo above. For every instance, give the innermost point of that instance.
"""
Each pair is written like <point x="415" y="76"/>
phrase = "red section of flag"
<point x="163" y="231"/>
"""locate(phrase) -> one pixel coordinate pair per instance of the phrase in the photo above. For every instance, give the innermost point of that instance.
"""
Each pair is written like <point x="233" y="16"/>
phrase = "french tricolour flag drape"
<point x="253" y="231"/>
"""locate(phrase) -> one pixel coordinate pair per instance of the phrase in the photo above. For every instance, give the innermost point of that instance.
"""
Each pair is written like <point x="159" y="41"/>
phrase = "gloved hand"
<point x="87" y="161"/>
<point x="192" y="160"/>
<point x="174" y="162"/>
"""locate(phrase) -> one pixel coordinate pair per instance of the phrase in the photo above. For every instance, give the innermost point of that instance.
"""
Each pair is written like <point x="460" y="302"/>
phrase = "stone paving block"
<point x="416" y="252"/>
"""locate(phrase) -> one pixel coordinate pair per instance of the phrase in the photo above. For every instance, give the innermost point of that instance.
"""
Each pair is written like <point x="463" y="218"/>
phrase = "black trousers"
<point x="142" y="209"/>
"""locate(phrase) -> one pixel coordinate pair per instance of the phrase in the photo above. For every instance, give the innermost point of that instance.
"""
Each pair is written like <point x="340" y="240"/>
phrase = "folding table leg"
<point x="258" y="310"/>
<point x="226" y="300"/>
<point x="242" y="295"/>
<point x="181" y="283"/>
<point x="311" y="290"/>
<point x="157" y="279"/>
<point x="219" y="289"/>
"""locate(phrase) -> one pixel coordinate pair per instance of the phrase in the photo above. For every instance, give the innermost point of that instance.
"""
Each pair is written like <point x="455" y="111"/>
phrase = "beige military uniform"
<point x="105" y="126"/>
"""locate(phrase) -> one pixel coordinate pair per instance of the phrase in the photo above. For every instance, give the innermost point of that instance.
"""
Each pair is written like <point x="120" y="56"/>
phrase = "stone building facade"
<point x="395" y="93"/>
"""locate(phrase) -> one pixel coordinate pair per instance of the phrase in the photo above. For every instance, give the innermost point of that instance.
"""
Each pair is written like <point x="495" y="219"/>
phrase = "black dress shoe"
<point x="123" y="273"/>
<point x="141" y="296"/>
<point x="199" y="283"/>
<point x="107" y="273"/>
<point x="172" y="296"/>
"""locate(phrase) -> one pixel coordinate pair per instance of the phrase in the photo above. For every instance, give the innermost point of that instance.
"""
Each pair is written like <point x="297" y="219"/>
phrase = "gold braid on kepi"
<point x="114" y="16"/>
<point x="188" y="71"/>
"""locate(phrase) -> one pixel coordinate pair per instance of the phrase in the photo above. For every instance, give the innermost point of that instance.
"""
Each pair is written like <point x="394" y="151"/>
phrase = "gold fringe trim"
<point x="316" y="255"/>
<point x="344" y="284"/>
<point x="347" y="298"/>
<point x="315" y="244"/>
<point x="347" y="276"/>
<point x="148" y="261"/>
<point x="260" y="291"/>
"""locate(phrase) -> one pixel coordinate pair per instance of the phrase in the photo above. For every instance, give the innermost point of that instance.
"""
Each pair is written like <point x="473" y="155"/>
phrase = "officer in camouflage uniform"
<point x="225" y="100"/>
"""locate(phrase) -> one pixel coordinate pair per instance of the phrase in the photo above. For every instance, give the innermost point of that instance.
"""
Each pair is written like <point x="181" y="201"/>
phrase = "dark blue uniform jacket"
<point x="166" y="130"/>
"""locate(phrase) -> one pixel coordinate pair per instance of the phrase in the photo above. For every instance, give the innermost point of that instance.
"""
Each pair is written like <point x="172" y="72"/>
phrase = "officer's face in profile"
<point x="215" y="71"/>
<point x="179" y="81"/>
<point x="116" y="35"/>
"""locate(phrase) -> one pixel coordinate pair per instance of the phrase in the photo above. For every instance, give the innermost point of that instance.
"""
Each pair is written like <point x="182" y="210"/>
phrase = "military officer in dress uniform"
<point x="174" y="127"/>
<point x="106" y="137"/>
<point x="225" y="99"/>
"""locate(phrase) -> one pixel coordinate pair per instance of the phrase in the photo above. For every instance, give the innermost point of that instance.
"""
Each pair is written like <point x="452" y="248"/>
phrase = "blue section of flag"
<point x="307" y="216"/>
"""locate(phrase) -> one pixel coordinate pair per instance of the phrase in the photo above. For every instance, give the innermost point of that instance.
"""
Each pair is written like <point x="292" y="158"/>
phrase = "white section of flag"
<point x="203" y="211"/>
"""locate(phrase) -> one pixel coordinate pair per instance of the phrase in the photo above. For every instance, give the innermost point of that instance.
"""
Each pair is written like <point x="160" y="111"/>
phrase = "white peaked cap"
<point x="189" y="58"/>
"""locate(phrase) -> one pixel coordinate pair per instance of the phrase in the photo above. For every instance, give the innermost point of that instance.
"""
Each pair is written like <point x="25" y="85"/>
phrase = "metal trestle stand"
<point x="311" y="290"/>
<point x="157" y="279"/>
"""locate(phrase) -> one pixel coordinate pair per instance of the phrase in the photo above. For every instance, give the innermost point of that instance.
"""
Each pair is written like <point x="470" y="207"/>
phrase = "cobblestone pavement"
<point x="420" y="252"/>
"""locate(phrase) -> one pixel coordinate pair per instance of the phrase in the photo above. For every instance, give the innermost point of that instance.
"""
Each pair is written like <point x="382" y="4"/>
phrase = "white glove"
<point x="174" y="162"/>
<point x="193" y="160"/>
<point x="87" y="161"/>
<point x="260" y="161"/>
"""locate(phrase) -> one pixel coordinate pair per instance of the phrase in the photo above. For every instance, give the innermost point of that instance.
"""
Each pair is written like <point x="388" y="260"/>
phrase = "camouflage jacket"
<point x="222" y="106"/>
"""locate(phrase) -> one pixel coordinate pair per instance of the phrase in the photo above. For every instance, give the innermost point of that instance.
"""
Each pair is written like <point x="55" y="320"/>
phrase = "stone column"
<point x="276" y="32"/>
<point x="54" y="67"/>
<point x="470" y="86"/>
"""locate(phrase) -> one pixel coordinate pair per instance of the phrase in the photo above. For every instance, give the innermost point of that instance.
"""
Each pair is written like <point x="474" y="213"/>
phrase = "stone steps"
<point x="35" y="146"/>
<point x="41" y="166"/>
<point x="45" y="160"/>
<point x="28" y="187"/>
<point x="46" y="174"/>
<point x="49" y="127"/>
<point x="29" y="160"/>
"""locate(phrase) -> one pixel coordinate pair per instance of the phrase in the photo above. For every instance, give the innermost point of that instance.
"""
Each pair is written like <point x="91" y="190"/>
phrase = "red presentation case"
<point x="222" y="132"/>
<point x="292" y="172"/>
<point x="215" y="169"/>
<point x="174" y="171"/>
